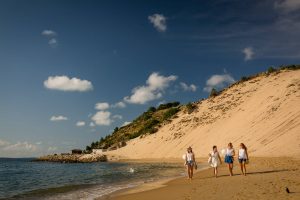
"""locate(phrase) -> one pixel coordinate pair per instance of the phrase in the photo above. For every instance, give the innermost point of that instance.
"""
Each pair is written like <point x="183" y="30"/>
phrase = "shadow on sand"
<point x="251" y="173"/>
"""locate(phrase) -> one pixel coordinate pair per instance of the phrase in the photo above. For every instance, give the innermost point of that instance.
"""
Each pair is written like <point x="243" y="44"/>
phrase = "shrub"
<point x="213" y="93"/>
<point x="271" y="70"/>
<point x="190" y="107"/>
<point x="244" y="78"/>
<point x="290" y="67"/>
<point x="153" y="130"/>
<point x="116" y="129"/>
<point x="170" y="113"/>
<point x="151" y="109"/>
<point x="151" y="123"/>
<point x="134" y="135"/>
<point x="168" y="105"/>
<point x="146" y="116"/>
<point x="88" y="148"/>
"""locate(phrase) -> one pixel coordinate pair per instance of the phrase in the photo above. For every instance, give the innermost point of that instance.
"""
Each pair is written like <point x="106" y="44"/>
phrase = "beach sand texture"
<point x="263" y="113"/>
<point x="267" y="179"/>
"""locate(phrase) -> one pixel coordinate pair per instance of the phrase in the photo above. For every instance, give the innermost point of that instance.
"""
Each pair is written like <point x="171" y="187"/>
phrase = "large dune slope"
<point x="263" y="113"/>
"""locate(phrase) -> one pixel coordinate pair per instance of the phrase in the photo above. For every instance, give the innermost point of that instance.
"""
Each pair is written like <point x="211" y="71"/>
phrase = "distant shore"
<point x="73" y="158"/>
<point x="267" y="179"/>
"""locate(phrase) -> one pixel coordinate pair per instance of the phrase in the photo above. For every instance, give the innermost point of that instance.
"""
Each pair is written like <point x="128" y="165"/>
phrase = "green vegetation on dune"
<point x="146" y="123"/>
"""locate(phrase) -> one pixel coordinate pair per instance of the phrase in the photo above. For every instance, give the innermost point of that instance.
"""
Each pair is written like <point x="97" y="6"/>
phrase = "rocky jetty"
<point x="73" y="158"/>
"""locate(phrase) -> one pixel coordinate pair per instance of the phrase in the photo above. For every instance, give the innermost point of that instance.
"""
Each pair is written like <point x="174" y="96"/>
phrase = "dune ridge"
<point x="263" y="113"/>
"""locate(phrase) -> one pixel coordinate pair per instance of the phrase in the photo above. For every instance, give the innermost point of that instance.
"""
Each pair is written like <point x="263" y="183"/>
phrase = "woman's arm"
<point x="247" y="154"/>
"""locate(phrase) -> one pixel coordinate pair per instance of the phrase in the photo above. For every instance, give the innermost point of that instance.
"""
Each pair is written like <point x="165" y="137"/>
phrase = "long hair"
<point x="243" y="146"/>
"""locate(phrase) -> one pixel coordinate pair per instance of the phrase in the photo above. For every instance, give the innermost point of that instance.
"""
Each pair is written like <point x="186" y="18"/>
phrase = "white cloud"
<point x="125" y="124"/>
<point x="155" y="86"/>
<point x="52" y="149"/>
<point x="92" y="124"/>
<point x="287" y="6"/>
<point x="65" y="83"/>
<point x="80" y="123"/>
<point x="218" y="81"/>
<point x="120" y="104"/>
<point x="52" y="42"/>
<point x="159" y="22"/>
<point x="117" y="117"/>
<point x="4" y="143"/>
<point x="102" y="106"/>
<point x="58" y="118"/>
<point x="102" y="118"/>
<point x="49" y="33"/>
<point x="249" y="53"/>
<point x="187" y="87"/>
<point x="142" y="95"/>
<point x="21" y="146"/>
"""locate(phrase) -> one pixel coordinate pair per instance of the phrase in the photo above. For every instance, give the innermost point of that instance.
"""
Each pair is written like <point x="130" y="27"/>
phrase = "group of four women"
<point x="215" y="160"/>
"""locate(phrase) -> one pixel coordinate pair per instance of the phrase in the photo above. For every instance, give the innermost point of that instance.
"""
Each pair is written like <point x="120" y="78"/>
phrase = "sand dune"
<point x="263" y="113"/>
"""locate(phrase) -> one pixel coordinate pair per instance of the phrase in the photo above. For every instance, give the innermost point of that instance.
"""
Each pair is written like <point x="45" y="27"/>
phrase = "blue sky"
<point x="71" y="71"/>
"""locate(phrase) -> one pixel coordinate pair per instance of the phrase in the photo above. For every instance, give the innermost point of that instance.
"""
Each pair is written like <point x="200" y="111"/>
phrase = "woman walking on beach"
<point x="243" y="158"/>
<point x="190" y="162"/>
<point x="229" y="157"/>
<point x="215" y="160"/>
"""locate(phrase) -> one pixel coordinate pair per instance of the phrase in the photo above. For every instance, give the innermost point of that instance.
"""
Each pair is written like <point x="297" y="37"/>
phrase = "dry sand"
<point x="266" y="179"/>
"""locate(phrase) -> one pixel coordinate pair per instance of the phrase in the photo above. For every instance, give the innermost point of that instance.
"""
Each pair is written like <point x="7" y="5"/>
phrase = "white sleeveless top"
<point x="229" y="152"/>
<point x="189" y="156"/>
<point x="242" y="154"/>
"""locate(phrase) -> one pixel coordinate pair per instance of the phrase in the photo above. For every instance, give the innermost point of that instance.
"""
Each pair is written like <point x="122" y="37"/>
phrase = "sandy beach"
<point x="267" y="179"/>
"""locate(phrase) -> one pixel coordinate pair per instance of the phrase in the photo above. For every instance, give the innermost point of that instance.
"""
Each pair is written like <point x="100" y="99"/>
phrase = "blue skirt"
<point x="228" y="159"/>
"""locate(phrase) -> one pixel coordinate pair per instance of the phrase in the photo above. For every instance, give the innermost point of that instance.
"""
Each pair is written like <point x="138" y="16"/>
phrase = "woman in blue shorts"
<point x="229" y="157"/>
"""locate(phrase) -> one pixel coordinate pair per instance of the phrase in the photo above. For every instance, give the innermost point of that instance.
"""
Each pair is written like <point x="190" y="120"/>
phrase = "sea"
<point x="21" y="178"/>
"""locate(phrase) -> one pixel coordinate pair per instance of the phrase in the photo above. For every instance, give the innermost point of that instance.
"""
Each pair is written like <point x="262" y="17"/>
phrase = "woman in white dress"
<point x="243" y="158"/>
<point x="215" y="160"/>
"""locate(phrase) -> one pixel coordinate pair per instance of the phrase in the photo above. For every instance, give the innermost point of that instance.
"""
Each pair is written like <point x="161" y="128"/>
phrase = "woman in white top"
<point x="243" y="158"/>
<point x="229" y="157"/>
<point x="190" y="162"/>
<point x="215" y="160"/>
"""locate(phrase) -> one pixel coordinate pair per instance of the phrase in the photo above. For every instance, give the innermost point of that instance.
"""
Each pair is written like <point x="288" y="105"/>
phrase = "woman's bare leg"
<point x="216" y="171"/>
<point x="190" y="171"/>
<point x="230" y="166"/>
<point x="242" y="168"/>
<point x="245" y="171"/>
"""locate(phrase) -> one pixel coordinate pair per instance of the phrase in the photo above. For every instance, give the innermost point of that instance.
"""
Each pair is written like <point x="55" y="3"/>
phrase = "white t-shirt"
<point x="242" y="154"/>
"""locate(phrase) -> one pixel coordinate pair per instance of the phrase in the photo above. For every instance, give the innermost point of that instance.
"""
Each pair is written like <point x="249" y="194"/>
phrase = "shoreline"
<point x="155" y="184"/>
<point x="267" y="176"/>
